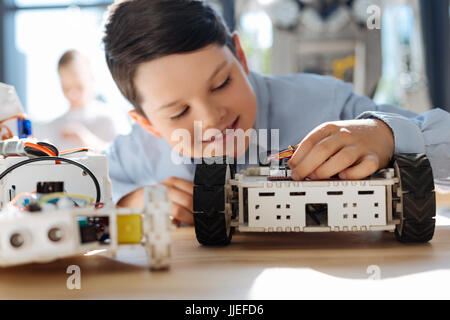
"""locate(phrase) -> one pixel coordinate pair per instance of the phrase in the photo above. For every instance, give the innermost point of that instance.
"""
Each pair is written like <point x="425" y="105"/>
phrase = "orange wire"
<point x="20" y="195"/>
<point x="284" y="154"/>
<point x="9" y="134"/>
<point x="40" y="148"/>
<point x="16" y="116"/>
<point x="73" y="150"/>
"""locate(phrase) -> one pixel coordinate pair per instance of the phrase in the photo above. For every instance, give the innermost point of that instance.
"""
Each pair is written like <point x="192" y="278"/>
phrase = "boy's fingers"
<point x="180" y="197"/>
<point x="176" y="222"/>
<point x="134" y="199"/>
<point x="365" y="167"/>
<point x="317" y="156"/>
<point x="308" y="143"/>
<point x="181" y="214"/>
<point x="179" y="183"/>
<point x="337" y="163"/>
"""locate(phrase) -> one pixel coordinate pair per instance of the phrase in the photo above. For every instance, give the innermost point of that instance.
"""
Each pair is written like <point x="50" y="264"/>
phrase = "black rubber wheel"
<point x="210" y="201"/>
<point x="417" y="219"/>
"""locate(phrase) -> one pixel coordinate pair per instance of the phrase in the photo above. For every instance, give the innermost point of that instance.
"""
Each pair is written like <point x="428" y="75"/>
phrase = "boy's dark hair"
<point x="142" y="30"/>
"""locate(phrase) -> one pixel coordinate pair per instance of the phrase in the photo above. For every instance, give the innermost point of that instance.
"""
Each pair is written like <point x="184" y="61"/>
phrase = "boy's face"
<point x="77" y="83"/>
<point x="208" y="86"/>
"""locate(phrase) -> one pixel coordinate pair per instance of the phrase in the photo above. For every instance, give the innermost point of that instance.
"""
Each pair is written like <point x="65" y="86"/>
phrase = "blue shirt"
<point x="294" y="104"/>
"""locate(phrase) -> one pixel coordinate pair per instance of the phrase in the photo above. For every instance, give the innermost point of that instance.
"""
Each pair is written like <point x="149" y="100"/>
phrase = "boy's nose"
<point x="213" y="117"/>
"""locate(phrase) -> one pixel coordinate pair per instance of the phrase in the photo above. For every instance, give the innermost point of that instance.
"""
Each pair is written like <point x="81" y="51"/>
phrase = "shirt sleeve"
<point x="427" y="133"/>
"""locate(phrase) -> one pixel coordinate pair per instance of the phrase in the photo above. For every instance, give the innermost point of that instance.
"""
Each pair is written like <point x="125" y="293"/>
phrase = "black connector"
<point x="34" y="207"/>
<point x="50" y="187"/>
<point x="88" y="233"/>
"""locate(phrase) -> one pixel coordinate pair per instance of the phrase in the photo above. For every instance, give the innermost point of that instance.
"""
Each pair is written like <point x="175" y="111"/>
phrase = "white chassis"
<point x="398" y="199"/>
<point x="280" y="206"/>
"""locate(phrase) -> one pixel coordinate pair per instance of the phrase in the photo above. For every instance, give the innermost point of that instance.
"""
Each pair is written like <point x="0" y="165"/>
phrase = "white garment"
<point x="104" y="121"/>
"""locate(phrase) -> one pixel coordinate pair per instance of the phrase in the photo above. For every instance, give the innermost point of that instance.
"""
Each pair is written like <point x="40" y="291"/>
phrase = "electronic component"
<point x="129" y="229"/>
<point x="26" y="147"/>
<point x="47" y="235"/>
<point x="50" y="187"/>
<point x="34" y="207"/>
<point x="23" y="128"/>
<point x="400" y="199"/>
<point x="22" y="174"/>
<point x="14" y="147"/>
<point x="88" y="233"/>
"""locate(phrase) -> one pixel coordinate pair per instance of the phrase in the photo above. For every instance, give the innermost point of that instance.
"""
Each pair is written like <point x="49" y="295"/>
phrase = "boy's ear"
<point x="143" y="122"/>
<point x="240" y="52"/>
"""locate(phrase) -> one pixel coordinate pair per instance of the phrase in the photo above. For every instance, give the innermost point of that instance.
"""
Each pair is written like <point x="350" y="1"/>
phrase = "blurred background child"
<point x="89" y="122"/>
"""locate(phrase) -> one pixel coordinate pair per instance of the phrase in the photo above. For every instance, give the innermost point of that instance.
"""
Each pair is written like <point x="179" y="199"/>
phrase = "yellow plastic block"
<point x="129" y="229"/>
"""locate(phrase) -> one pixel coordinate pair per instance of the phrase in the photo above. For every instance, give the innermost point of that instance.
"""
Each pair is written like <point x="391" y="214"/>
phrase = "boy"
<point x="176" y="62"/>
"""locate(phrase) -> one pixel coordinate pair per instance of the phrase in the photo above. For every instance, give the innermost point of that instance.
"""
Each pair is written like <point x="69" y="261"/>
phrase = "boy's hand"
<point x="134" y="200"/>
<point x="353" y="148"/>
<point x="180" y="193"/>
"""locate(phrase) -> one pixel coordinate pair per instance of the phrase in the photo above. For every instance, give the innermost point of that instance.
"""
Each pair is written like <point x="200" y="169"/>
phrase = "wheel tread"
<point x="209" y="203"/>
<point x="418" y="198"/>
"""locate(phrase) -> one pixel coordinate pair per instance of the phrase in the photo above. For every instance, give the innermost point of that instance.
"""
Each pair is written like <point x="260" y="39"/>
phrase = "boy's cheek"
<point x="246" y="108"/>
<point x="184" y="142"/>
<point x="241" y="100"/>
<point x="181" y="140"/>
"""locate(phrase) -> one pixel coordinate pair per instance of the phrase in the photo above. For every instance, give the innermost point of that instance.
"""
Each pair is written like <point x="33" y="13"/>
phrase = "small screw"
<point x="17" y="240"/>
<point x="55" y="234"/>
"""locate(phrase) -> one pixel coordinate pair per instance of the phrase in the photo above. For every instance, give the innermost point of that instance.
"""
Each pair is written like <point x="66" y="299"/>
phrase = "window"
<point x="255" y="30"/>
<point x="43" y="30"/>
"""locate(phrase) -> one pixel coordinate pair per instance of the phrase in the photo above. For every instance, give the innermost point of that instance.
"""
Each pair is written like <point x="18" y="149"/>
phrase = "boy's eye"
<point x="180" y="114"/>
<point x="223" y="85"/>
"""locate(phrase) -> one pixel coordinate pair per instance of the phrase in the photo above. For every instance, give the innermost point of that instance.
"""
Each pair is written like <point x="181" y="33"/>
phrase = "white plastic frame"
<point x="269" y="206"/>
<point x="37" y="246"/>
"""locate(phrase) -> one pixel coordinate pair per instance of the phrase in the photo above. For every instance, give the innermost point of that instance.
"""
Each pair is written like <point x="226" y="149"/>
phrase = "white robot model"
<point x="400" y="199"/>
<point x="49" y="234"/>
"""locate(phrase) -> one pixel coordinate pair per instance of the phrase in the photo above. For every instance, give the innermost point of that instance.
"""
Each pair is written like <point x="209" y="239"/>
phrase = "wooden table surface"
<point x="254" y="266"/>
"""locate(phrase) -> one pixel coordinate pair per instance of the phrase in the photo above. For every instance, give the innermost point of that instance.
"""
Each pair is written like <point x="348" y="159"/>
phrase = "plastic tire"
<point x="210" y="204"/>
<point x="417" y="219"/>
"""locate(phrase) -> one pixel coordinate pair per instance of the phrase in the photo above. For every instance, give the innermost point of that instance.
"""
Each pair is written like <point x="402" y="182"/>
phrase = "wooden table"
<point x="254" y="266"/>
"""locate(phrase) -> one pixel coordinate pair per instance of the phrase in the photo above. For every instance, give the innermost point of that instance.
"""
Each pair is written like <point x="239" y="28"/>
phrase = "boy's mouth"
<point x="225" y="133"/>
